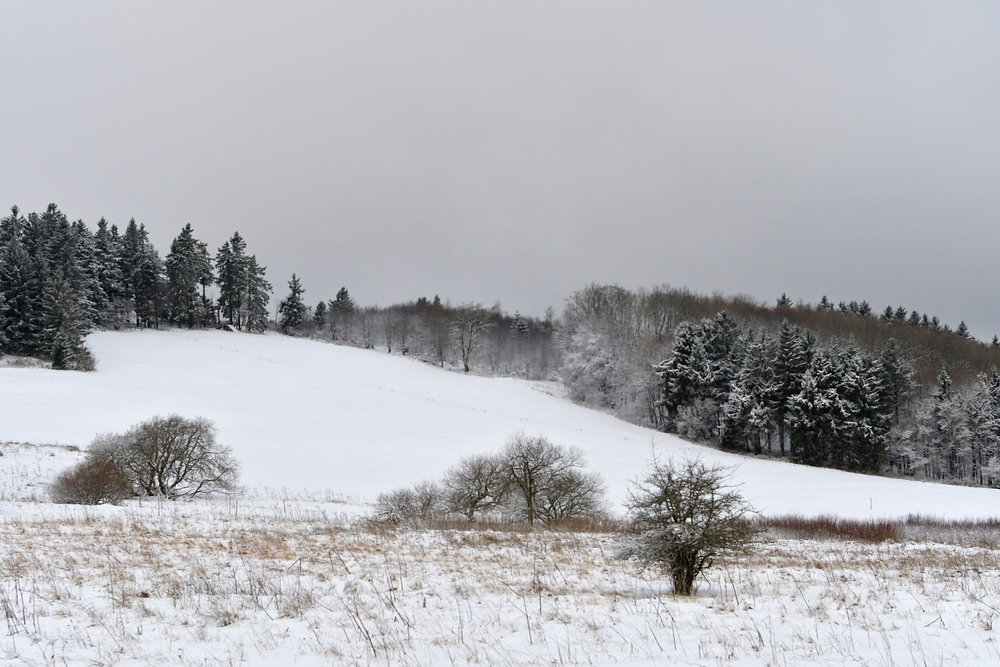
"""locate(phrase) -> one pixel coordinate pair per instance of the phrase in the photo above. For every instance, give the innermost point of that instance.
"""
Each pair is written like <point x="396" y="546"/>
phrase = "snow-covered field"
<point x="274" y="582"/>
<point x="303" y="415"/>
<point x="287" y="574"/>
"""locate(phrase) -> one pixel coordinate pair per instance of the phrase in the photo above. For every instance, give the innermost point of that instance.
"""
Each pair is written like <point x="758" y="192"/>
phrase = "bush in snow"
<point x="684" y="516"/>
<point x="418" y="502"/>
<point x="90" y="482"/>
<point x="170" y="456"/>
<point x="530" y="480"/>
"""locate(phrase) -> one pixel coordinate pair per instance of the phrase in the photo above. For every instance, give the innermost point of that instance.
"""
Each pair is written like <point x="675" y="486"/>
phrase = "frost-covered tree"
<point x="21" y="289"/>
<point x="749" y="406"/>
<point x="684" y="516"/>
<point x="256" y="296"/>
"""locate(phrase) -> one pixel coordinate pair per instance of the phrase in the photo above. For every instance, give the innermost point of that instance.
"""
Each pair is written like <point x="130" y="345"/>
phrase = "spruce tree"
<point x="108" y="271"/>
<point x="21" y="288"/>
<point x="319" y="316"/>
<point x="292" y="310"/>
<point x="232" y="270"/>
<point x="256" y="295"/>
<point x="896" y="378"/>
<point x="188" y="267"/>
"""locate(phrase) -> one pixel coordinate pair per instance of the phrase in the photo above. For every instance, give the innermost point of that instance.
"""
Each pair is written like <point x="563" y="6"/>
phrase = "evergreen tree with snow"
<point x="188" y="267"/>
<point x="21" y="289"/>
<point x="232" y="268"/>
<point x="319" y="316"/>
<point x="256" y="296"/>
<point x="343" y="303"/>
<point x="896" y="378"/>
<point x="292" y="310"/>
<point x="791" y="361"/>
<point x="749" y="407"/>
<point x="66" y="324"/>
<point x="108" y="272"/>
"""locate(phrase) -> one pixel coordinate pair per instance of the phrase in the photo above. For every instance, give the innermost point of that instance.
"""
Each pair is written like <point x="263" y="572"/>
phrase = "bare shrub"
<point x="684" y="516"/>
<point x="170" y="456"/>
<point x="477" y="484"/>
<point x="90" y="482"/>
<point x="418" y="502"/>
<point x="546" y="482"/>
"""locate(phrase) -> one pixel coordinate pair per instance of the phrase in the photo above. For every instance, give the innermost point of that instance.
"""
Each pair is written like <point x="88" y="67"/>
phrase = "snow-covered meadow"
<point x="307" y="416"/>
<point x="286" y="573"/>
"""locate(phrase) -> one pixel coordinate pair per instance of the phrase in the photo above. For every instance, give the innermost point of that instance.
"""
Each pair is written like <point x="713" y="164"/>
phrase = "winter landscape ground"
<point x="286" y="573"/>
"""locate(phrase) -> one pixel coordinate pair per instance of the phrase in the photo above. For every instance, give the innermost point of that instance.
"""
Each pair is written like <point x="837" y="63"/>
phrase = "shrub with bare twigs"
<point x="91" y="482"/>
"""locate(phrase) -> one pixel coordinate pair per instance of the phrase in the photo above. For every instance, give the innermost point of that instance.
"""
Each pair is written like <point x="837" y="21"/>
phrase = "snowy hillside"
<point x="305" y="415"/>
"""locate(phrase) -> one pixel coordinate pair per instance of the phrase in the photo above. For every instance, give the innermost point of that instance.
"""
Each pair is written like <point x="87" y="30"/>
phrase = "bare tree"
<point x="471" y="321"/>
<point x="684" y="516"/>
<point x="477" y="484"/>
<point x="546" y="480"/>
<point x="170" y="456"/>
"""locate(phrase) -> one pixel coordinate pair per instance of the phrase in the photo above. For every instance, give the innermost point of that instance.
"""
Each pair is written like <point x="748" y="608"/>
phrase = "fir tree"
<point x="790" y="364"/>
<point x="896" y="378"/>
<point x="344" y="304"/>
<point x="21" y="289"/>
<point x="749" y="405"/>
<point x="232" y="269"/>
<point x="108" y="271"/>
<point x="65" y="323"/>
<point x="188" y="267"/>
<point x="257" y="294"/>
<point x="292" y="310"/>
<point x="319" y="316"/>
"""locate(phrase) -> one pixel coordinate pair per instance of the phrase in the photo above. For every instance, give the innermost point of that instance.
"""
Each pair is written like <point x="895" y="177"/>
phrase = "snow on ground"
<point x="226" y="583"/>
<point x="306" y="415"/>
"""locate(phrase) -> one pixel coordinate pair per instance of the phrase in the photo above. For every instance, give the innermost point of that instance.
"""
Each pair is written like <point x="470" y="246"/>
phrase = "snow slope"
<point x="305" y="415"/>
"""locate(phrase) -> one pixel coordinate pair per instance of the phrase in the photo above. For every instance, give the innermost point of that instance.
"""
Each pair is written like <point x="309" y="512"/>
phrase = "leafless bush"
<point x="530" y="480"/>
<point x="90" y="482"/>
<point x="684" y="516"/>
<point x="417" y="502"/>
<point x="170" y="456"/>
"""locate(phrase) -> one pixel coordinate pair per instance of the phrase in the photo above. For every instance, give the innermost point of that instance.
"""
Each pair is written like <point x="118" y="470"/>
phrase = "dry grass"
<point x="980" y="533"/>
<point x="234" y="582"/>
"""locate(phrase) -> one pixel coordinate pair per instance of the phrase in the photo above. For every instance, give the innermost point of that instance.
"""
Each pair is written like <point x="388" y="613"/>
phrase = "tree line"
<point x="836" y="386"/>
<point x="59" y="280"/>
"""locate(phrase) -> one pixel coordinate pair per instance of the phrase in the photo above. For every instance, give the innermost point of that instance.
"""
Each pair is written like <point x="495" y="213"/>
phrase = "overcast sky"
<point x="518" y="151"/>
